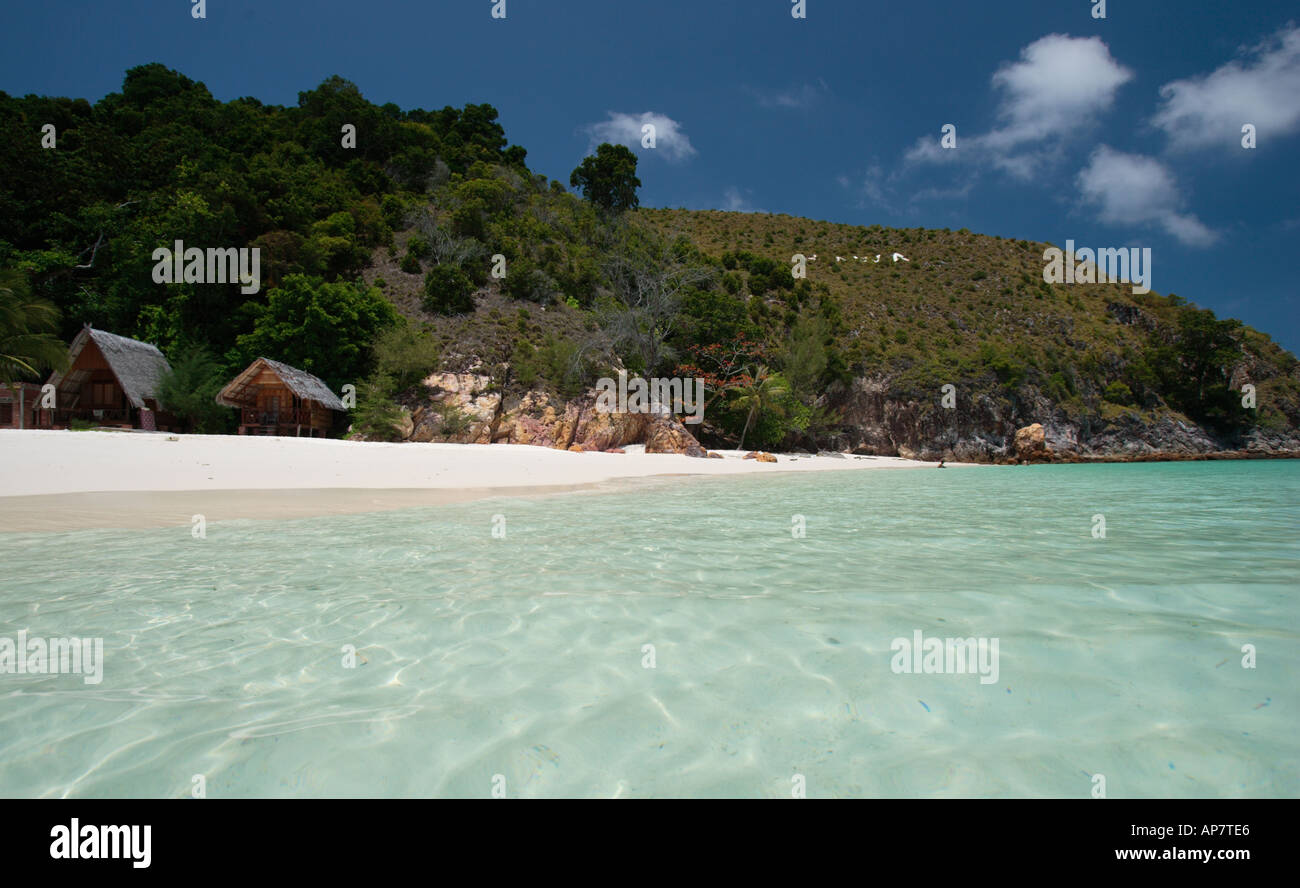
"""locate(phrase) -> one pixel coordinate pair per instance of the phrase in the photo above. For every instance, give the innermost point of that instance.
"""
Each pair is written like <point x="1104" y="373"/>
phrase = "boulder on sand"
<point x="1031" y="442"/>
<point x="670" y="436"/>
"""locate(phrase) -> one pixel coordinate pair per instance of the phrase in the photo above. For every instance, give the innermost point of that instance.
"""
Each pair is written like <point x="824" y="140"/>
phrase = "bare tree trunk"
<point x="749" y="416"/>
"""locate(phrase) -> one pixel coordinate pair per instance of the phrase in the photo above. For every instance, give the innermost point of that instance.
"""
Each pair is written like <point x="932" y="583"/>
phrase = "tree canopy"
<point x="608" y="178"/>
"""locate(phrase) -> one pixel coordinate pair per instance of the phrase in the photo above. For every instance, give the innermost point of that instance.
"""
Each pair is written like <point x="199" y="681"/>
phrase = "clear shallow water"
<point x="523" y="657"/>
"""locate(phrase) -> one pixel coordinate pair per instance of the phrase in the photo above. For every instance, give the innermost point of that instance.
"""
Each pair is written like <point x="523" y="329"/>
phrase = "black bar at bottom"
<point x="367" y="837"/>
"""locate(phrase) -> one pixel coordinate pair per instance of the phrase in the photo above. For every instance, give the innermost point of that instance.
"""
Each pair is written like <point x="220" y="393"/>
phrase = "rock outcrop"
<point x="536" y="419"/>
<point x="874" y="419"/>
<point x="460" y="408"/>
<point x="543" y="420"/>
<point x="670" y="436"/>
<point x="466" y="408"/>
<point x="1031" y="443"/>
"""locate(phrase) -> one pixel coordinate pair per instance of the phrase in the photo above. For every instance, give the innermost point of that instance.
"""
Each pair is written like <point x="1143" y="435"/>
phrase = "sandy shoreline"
<point x="60" y="480"/>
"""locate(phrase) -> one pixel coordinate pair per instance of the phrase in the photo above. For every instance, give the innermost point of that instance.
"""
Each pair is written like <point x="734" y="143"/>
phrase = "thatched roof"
<point x="240" y="393"/>
<point x="137" y="366"/>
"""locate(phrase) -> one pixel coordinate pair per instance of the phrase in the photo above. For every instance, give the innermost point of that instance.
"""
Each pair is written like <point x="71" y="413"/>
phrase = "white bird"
<point x="877" y="257"/>
<point x="855" y="257"/>
<point x="814" y="258"/>
<point x="839" y="258"/>
<point x="898" y="256"/>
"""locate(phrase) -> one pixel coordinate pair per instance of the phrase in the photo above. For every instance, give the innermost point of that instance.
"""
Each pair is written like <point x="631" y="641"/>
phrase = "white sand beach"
<point x="64" y="480"/>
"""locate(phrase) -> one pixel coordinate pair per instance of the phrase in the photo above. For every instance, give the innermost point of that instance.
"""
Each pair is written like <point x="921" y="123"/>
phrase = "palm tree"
<point x="28" y="343"/>
<point x="764" y="392"/>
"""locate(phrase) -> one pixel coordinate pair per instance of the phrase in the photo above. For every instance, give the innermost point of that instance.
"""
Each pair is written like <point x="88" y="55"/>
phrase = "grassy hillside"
<point x="430" y="245"/>
<point x="967" y="303"/>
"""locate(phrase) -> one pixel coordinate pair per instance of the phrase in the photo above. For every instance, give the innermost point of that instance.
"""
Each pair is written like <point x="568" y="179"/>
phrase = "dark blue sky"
<point x="1116" y="132"/>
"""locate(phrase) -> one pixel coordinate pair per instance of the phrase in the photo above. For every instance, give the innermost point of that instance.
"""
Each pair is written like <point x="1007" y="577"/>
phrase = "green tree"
<point x="1118" y="393"/>
<point x="325" y="329"/>
<point x="806" y="356"/>
<point x="376" y="415"/>
<point x="608" y="178"/>
<point x="1207" y="349"/>
<point x="711" y="316"/>
<point x="448" y="291"/>
<point x="28" y="344"/>
<point x="765" y="392"/>
<point x="404" y="355"/>
<point x="189" y="391"/>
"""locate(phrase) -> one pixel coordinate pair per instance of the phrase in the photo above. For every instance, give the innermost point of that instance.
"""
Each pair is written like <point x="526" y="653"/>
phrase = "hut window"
<point x="6" y="414"/>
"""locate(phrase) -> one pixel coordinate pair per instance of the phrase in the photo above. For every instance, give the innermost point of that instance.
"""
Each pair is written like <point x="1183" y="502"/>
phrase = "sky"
<point x="1122" y="131"/>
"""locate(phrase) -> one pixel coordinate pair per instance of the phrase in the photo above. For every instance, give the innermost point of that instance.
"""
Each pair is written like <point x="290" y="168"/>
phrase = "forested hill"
<point x="377" y="260"/>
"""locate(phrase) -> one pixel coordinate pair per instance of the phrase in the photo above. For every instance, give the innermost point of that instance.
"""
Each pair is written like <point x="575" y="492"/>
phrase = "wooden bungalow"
<point x="110" y="381"/>
<point x="276" y="399"/>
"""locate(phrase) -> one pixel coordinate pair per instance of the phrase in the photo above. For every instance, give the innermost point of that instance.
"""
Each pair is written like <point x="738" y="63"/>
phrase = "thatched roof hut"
<point x="136" y="366"/>
<point x="276" y="399"/>
<point x="110" y="381"/>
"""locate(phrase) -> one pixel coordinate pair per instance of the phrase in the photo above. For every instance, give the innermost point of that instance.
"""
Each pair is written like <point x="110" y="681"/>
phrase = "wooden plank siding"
<point x="278" y="411"/>
<point x="100" y="399"/>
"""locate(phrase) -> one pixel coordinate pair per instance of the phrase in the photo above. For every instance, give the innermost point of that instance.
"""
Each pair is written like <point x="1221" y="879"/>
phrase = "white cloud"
<point x="1262" y="88"/>
<point x="795" y="97"/>
<point x="735" y="202"/>
<point x="1058" y="82"/>
<point x="873" y="186"/>
<point x="873" y="189"/>
<point x="1131" y="189"/>
<point x="1054" y="92"/>
<point x="958" y="193"/>
<point x="626" y="129"/>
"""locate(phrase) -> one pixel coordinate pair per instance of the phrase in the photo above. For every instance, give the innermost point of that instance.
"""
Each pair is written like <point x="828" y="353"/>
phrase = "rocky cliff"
<point x="468" y="408"/>
<point x="983" y="427"/>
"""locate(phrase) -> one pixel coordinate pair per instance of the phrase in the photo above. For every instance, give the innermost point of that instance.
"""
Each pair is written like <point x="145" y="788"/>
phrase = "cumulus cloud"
<point x="1058" y="81"/>
<point x="1128" y="189"/>
<point x="627" y="129"/>
<point x="1262" y="87"/>
<point x="1053" y="92"/>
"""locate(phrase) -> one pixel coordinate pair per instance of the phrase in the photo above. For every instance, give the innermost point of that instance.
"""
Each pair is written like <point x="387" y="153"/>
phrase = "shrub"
<point x="376" y="416"/>
<point x="1118" y="393"/>
<point x="189" y="390"/>
<point x="455" y="421"/>
<point x="417" y="247"/>
<point x="448" y="291"/>
<point x="404" y="355"/>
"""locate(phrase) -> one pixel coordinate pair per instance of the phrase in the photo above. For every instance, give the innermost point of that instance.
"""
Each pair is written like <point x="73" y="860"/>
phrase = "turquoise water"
<point x="519" y="662"/>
